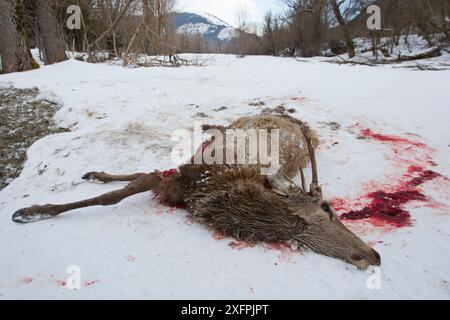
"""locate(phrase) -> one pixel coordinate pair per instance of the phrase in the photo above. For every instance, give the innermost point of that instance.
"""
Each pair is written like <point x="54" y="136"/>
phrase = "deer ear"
<point x="282" y="185"/>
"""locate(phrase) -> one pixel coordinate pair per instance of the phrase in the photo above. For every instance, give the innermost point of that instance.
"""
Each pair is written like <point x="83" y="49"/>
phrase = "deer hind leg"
<point x="106" y="177"/>
<point x="36" y="213"/>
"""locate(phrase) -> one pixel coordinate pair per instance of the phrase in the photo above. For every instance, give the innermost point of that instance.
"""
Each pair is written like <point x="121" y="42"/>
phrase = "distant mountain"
<point x="207" y="25"/>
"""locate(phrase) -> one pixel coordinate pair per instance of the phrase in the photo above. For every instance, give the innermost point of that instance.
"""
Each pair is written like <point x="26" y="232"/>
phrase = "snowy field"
<point x="382" y="129"/>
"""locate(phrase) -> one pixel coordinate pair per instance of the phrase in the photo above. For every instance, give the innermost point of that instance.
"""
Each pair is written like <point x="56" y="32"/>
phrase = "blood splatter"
<point x="279" y="246"/>
<point x="385" y="206"/>
<point x="89" y="283"/>
<point x="169" y="173"/>
<point x="206" y="144"/>
<point x="405" y="151"/>
<point x="61" y="283"/>
<point x="389" y="207"/>
<point x="239" y="245"/>
<point x="218" y="235"/>
<point x="340" y="204"/>
<point x="425" y="176"/>
<point x="190" y="219"/>
<point x="285" y="251"/>
<point x="368" y="133"/>
<point x="299" y="99"/>
<point x="171" y="210"/>
<point x="27" y="280"/>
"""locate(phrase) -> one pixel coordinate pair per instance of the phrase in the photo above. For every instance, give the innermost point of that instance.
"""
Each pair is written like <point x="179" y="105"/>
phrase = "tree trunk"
<point x="343" y="24"/>
<point x="146" y="13"/>
<point x="53" y="40"/>
<point x="14" y="51"/>
<point x="126" y="53"/>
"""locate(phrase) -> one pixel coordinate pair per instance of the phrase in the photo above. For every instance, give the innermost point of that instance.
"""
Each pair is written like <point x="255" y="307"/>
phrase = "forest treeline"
<point x="127" y="28"/>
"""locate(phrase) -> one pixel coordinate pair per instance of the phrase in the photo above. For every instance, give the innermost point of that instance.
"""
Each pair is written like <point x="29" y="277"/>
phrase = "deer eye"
<point x="326" y="207"/>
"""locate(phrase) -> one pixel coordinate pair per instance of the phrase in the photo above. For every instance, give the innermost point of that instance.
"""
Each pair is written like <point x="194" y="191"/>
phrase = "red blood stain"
<point x="239" y="245"/>
<point x="171" y="210"/>
<point x="88" y="283"/>
<point x="169" y="173"/>
<point x="414" y="169"/>
<point x="285" y="251"/>
<point x="27" y="280"/>
<point x="159" y="207"/>
<point x="61" y="283"/>
<point x="368" y="133"/>
<point x="190" y="219"/>
<point x="218" y="235"/>
<point x="206" y="144"/>
<point x="279" y="246"/>
<point x="403" y="149"/>
<point x="299" y="99"/>
<point x="340" y="204"/>
<point x="425" y="176"/>
<point x="386" y="206"/>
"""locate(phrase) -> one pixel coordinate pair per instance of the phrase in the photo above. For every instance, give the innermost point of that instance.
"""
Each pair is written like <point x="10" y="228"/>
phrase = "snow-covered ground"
<point x="378" y="126"/>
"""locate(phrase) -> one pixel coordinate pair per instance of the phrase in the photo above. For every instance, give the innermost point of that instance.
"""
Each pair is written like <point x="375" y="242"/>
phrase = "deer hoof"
<point x="32" y="214"/>
<point x="92" y="177"/>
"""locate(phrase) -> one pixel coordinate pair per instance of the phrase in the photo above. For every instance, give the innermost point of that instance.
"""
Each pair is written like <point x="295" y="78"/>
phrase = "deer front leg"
<point x="36" y="213"/>
<point x="106" y="177"/>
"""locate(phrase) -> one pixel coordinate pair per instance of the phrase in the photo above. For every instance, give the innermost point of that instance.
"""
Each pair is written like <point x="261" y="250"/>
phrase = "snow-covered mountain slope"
<point x="381" y="130"/>
<point x="207" y="25"/>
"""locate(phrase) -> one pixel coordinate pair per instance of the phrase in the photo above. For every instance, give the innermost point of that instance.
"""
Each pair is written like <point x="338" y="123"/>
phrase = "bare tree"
<point x="50" y="31"/>
<point x="308" y="25"/>
<point x="105" y="33"/>
<point x="241" y="12"/>
<point x="247" y="42"/>
<point x="343" y="24"/>
<point x="269" y="33"/>
<point x="14" y="51"/>
<point x="153" y="33"/>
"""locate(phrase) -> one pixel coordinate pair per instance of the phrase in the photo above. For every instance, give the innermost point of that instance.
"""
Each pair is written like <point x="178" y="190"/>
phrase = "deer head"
<point x="324" y="232"/>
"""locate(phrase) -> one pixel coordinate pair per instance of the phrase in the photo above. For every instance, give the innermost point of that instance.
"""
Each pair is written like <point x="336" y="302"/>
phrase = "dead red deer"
<point x="240" y="202"/>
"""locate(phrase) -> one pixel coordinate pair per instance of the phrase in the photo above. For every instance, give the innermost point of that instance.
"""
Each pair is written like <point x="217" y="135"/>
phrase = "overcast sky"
<point x="226" y="9"/>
